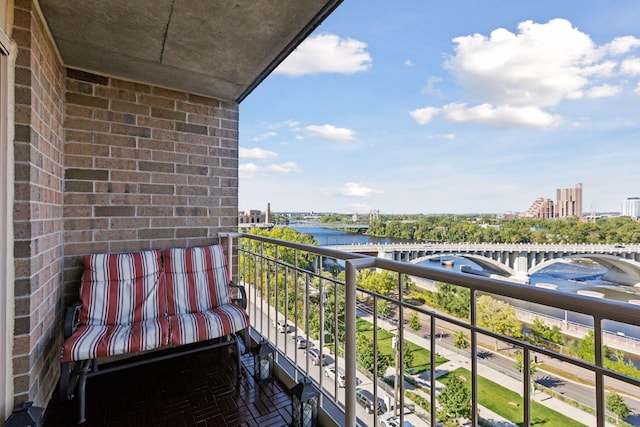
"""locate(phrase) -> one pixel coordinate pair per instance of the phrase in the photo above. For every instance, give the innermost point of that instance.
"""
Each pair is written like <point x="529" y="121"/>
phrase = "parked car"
<point x="283" y="327"/>
<point x="301" y="342"/>
<point x="332" y="371"/>
<point x="365" y="398"/>
<point x="315" y="356"/>
<point x="390" y="420"/>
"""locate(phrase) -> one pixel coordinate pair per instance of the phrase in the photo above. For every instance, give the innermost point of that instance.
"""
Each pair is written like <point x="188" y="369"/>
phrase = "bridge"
<point x="515" y="261"/>
<point x="349" y="226"/>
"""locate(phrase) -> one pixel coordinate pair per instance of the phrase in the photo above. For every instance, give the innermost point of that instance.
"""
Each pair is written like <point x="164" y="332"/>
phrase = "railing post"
<point x="350" y="343"/>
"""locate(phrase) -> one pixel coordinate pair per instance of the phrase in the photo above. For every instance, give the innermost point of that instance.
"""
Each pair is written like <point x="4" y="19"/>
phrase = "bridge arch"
<point x="619" y="270"/>
<point x="484" y="262"/>
<point x="622" y="262"/>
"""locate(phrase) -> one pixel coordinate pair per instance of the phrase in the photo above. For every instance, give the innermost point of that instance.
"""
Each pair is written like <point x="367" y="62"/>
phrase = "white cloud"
<point x="424" y="115"/>
<point x="255" y="153"/>
<point x="449" y="136"/>
<point x="247" y="170"/>
<point x="637" y="89"/>
<point x="353" y="189"/>
<point x="283" y="168"/>
<point x="621" y="45"/>
<point x="541" y="65"/>
<point x="264" y="136"/>
<point x="500" y="116"/>
<point x="330" y="132"/>
<point x="431" y="87"/>
<point x="292" y="124"/>
<point x="409" y="63"/>
<point x="326" y="53"/>
<point x="630" y="66"/>
<point x="515" y="78"/>
<point x="604" y="91"/>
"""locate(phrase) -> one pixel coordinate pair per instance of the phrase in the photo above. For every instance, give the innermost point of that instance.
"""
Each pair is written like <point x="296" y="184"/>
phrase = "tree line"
<point x="490" y="229"/>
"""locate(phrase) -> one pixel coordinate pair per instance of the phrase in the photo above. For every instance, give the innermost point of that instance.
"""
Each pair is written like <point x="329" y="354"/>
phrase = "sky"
<point x="449" y="107"/>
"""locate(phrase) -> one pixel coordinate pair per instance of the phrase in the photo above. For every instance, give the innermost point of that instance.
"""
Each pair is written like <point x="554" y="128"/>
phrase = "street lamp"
<point x="394" y="346"/>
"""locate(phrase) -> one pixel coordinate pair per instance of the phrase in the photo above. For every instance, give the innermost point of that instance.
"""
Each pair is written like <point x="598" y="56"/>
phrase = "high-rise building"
<point x="569" y="202"/>
<point x="631" y="207"/>
<point x="541" y="209"/>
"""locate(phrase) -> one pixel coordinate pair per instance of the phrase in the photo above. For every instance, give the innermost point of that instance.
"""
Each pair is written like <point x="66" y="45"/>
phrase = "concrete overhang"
<point x="217" y="48"/>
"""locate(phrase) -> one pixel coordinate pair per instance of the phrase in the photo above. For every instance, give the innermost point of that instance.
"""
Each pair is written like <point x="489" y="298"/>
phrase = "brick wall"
<point x="39" y="94"/>
<point x="102" y="165"/>
<point x="145" y="167"/>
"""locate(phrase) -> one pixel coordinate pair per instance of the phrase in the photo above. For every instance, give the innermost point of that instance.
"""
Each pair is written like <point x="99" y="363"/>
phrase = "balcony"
<point x="304" y="307"/>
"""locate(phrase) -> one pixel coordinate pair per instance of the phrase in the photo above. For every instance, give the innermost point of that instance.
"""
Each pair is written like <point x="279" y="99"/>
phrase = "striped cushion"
<point x="188" y="328"/>
<point x="93" y="341"/>
<point x="197" y="279"/>
<point x="120" y="289"/>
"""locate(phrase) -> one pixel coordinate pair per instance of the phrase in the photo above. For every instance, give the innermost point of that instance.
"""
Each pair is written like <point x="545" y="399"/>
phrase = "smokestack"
<point x="267" y="215"/>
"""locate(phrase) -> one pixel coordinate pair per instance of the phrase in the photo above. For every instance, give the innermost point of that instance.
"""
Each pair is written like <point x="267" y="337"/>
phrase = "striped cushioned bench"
<point x="136" y="302"/>
<point x="199" y="305"/>
<point x="122" y="307"/>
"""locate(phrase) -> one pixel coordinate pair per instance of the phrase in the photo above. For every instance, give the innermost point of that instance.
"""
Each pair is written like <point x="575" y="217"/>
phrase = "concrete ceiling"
<point x="218" y="48"/>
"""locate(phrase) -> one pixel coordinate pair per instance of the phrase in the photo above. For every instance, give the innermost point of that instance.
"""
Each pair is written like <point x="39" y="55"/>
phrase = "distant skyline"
<point x="449" y="107"/>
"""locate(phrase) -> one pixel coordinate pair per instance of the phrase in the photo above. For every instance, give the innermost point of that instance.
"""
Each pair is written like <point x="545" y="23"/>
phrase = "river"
<point x="565" y="274"/>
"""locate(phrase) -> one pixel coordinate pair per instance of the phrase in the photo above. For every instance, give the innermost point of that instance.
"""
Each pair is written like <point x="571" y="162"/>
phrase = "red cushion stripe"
<point x="122" y="288"/>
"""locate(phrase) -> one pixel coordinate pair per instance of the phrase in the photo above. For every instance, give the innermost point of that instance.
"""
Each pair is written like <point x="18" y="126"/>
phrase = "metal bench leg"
<point x="247" y="340"/>
<point x="238" y="361"/>
<point x="82" y="387"/>
<point x="65" y="381"/>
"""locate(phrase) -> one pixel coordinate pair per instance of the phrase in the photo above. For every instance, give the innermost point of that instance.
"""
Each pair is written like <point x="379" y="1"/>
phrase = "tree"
<point x="460" y="339"/>
<point x="498" y="316"/>
<point x="615" y="403"/>
<point x="542" y="333"/>
<point x="365" y="355"/>
<point x="414" y="321"/>
<point x="533" y="368"/>
<point x="381" y="282"/>
<point x="586" y="349"/>
<point x="408" y="358"/>
<point x="454" y="299"/>
<point x="455" y="398"/>
<point x="382" y="308"/>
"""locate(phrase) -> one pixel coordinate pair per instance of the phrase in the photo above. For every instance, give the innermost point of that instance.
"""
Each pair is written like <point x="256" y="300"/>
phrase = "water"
<point x="330" y="237"/>
<point x="568" y="276"/>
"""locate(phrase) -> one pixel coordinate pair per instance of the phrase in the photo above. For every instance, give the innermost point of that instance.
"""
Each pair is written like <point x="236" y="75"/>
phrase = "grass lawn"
<point x="421" y="356"/>
<point x="502" y="401"/>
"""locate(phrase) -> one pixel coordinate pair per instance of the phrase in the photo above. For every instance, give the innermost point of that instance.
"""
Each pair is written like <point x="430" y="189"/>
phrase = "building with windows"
<point x="542" y="209"/>
<point x="569" y="202"/>
<point x="252" y="216"/>
<point x="631" y="207"/>
<point x="255" y="218"/>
